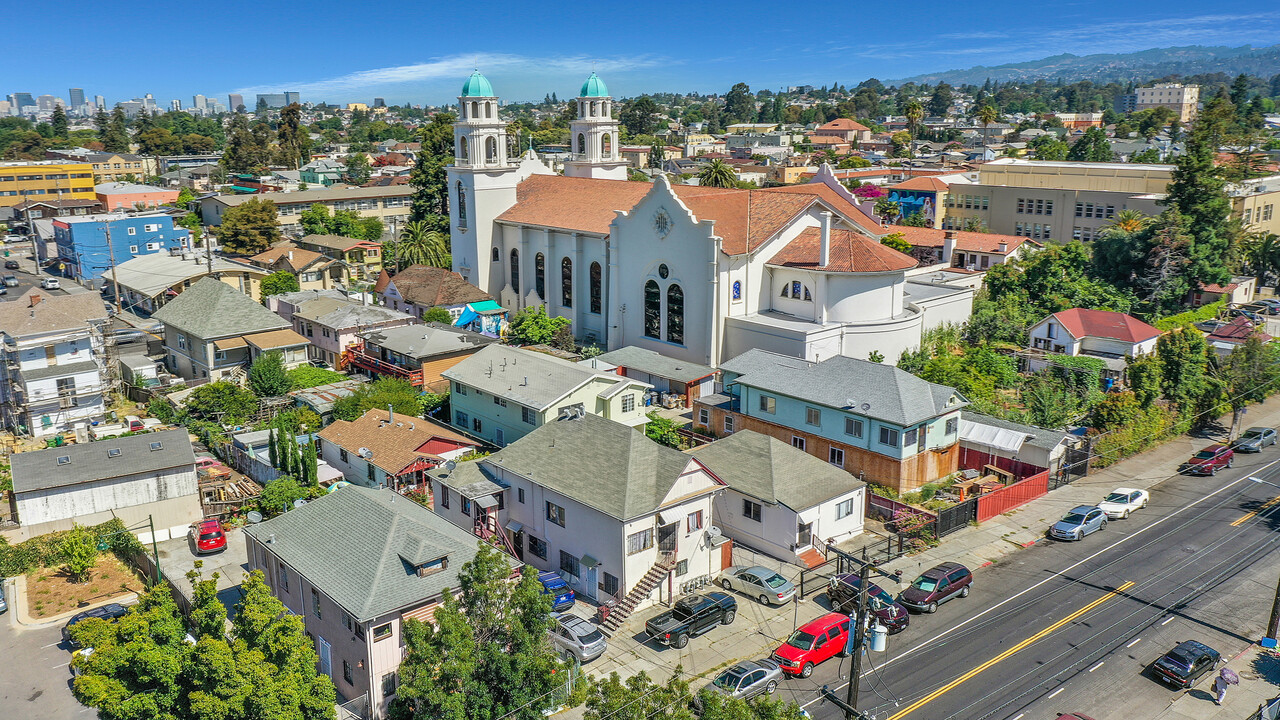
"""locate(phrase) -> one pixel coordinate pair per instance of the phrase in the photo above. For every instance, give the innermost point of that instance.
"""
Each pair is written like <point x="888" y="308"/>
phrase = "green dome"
<point x="594" y="87"/>
<point x="477" y="86"/>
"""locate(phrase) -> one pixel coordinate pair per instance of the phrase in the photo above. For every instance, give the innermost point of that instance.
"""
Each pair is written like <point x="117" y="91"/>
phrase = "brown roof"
<point x="432" y="287"/>
<point x="835" y="200"/>
<point x="338" y="242"/>
<point x="278" y="257"/>
<point x="393" y="446"/>
<point x="929" y="184"/>
<point x="826" y="140"/>
<point x="272" y="339"/>
<point x="843" y="124"/>
<point x="966" y="241"/>
<point x="230" y="343"/>
<point x="850" y="252"/>
<point x="36" y="311"/>
<point x="384" y="279"/>
<point x="1219" y="289"/>
<point x="1238" y="330"/>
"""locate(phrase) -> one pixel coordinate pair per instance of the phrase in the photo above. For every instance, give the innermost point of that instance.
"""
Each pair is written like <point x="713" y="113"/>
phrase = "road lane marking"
<point x="1135" y="642"/>
<point x="1262" y="508"/>
<point x="1167" y="621"/>
<point x="1008" y="653"/>
<point x="55" y="667"/>
<point x="1055" y="693"/>
<point x="1019" y="716"/>
<point x="42" y="647"/>
<point x="1100" y="664"/>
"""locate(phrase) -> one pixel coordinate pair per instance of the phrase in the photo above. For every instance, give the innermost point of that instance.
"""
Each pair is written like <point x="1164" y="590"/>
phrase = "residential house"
<point x="846" y="130"/>
<point x="136" y="479"/>
<point x="130" y="196"/>
<point x="617" y="515"/>
<point x="781" y="500"/>
<point x="89" y="245"/>
<point x="149" y="281"/>
<point x="333" y="325"/>
<point x="382" y="449"/>
<point x="418" y="288"/>
<point x="322" y="173"/>
<point x="419" y="354"/>
<point x="1240" y="290"/>
<point x="1234" y="334"/>
<point x="389" y="204"/>
<point x="971" y="251"/>
<point x="363" y="258"/>
<point x="502" y="393"/>
<point x="213" y="332"/>
<point x="1023" y="450"/>
<point x="44" y="180"/>
<point x="680" y="380"/>
<point x="198" y="178"/>
<point x="52" y="361"/>
<point x="109" y="166"/>
<point x="29" y="210"/>
<point x="1111" y="336"/>
<point x="315" y="270"/>
<point x="395" y="562"/>
<point x="883" y="424"/>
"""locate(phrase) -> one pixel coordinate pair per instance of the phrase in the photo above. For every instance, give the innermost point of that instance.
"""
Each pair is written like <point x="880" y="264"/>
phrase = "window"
<point x="494" y="255"/>
<point x="737" y="289"/>
<point x="853" y="427"/>
<point x="151" y="227"/>
<point x="182" y="341"/>
<point x="728" y="424"/>
<point x="909" y="437"/>
<point x="342" y="454"/>
<point x="844" y="509"/>
<point x="372" y="471"/>
<point x="529" y="416"/>
<point x="652" y="310"/>
<point x="639" y="541"/>
<point x="462" y="205"/>
<point x="346" y="673"/>
<point x="569" y="564"/>
<point x="133" y="249"/>
<point x="835" y="456"/>
<point x="477" y="425"/>
<point x="582" y="144"/>
<point x="315" y="602"/>
<point x="812" y="416"/>
<point x="888" y="436"/>
<point x="767" y="404"/>
<point x="606" y="146"/>
<point x="133" y="231"/>
<point x="595" y="288"/>
<point x="952" y="425"/>
<point x="461" y="419"/>
<point x="538" y="547"/>
<point x="284" y="578"/>
<point x="704" y="417"/>
<point x="675" y="314"/>
<point x="515" y="270"/>
<point x="693" y="521"/>
<point x="390" y="682"/>
<point x="750" y="510"/>
<point x="459" y="388"/>
<point x="610" y="585"/>
<point x="540" y="275"/>
<point x="797" y="442"/>
<point x="566" y="282"/>
<point x="382" y="632"/>
<point x="466" y="506"/>
<point x="520" y="495"/>
<point x="682" y="568"/>
<point x="628" y="402"/>
<point x="555" y="513"/>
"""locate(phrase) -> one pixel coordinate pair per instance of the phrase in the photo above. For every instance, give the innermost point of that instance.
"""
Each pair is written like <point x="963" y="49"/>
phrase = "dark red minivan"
<point x="935" y="586"/>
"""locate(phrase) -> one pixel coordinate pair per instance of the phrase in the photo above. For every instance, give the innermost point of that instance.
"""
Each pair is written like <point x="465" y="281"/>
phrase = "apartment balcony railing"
<point x="357" y="357"/>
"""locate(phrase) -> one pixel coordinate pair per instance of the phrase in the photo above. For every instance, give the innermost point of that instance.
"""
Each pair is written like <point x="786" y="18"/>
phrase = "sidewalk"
<point x="1259" y="672"/>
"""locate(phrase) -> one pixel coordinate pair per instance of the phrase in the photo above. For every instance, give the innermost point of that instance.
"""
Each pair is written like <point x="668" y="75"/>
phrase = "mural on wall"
<point x="916" y="201"/>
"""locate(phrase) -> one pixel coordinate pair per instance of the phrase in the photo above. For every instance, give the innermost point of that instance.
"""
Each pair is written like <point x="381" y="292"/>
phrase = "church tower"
<point x="482" y="184"/>
<point x="593" y="137"/>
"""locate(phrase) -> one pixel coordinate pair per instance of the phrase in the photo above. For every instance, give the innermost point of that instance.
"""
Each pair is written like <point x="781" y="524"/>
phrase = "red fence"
<point x="977" y="460"/>
<point x="1012" y="496"/>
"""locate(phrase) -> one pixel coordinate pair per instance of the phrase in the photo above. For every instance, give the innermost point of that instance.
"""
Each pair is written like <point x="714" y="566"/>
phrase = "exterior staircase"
<point x="238" y="376"/>
<point x="619" y="614"/>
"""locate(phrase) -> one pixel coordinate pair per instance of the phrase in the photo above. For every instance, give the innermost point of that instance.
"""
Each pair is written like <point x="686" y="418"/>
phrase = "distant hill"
<point x="1139" y="66"/>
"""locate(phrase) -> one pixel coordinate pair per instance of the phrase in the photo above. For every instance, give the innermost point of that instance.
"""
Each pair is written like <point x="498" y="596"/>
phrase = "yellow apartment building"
<point x="46" y="180"/>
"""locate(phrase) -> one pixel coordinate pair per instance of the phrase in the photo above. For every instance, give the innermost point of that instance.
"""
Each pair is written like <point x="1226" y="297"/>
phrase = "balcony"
<point x="356" y="357"/>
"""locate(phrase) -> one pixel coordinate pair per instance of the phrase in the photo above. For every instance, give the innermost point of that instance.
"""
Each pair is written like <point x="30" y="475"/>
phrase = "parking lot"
<point x="36" y="682"/>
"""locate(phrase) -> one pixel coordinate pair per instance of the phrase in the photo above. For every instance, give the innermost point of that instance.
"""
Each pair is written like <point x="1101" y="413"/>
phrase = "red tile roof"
<point x="843" y="124"/>
<point x="1083" y="323"/>
<point x="928" y="184"/>
<point x="966" y="241"/>
<point x="850" y="252"/>
<point x="1219" y="289"/>
<point x="835" y="200"/>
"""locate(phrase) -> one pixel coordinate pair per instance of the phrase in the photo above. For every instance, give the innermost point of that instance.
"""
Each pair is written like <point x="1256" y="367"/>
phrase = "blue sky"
<point x="421" y="51"/>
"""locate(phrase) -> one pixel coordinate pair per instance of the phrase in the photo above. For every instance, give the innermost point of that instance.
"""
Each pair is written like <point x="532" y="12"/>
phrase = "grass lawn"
<point x="51" y="592"/>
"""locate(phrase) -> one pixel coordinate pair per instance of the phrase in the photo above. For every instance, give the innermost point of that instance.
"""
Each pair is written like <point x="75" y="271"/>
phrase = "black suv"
<point x="843" y="593"/>
<point x="110" y="613"/>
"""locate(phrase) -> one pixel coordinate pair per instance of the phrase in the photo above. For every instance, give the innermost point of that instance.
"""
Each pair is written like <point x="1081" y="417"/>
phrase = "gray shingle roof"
<point x="152" y="273"/>
<point x="50" y="313"/>
<point x="894" y="395"/>
<point x="654" y="363"/>
<point x="90" y="462"/>
<point x="59" y="370"/>
<point x="426" y="340"/>
<point x="600" y="463"/>
<point x="529" y="378"/>
<point x="359" y="546"/>
<point x="774" y="472"/>
<point x="346" y="313"/>
<point x="212" y="309"/>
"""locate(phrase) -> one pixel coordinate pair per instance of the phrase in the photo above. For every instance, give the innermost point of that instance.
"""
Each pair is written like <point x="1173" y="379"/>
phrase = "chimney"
<point x="825" y="257"/>
<point x="1004" y="248"/>
<point x="948" y="246"/>
<point x="290" y="256"/>
<point x="36" y="298"/>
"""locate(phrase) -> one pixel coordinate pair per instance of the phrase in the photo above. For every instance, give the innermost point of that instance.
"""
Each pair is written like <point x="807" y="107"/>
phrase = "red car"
<point x="209" y="536"/>
<point x="1210" y="460"/>
<point x="812" y="643"/>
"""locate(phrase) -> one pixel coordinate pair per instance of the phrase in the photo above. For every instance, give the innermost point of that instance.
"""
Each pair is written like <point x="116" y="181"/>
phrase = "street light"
<point x="103" y="545"/>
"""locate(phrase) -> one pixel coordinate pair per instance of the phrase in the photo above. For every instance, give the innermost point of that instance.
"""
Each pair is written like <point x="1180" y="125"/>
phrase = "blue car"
<point x="561" y="594"/>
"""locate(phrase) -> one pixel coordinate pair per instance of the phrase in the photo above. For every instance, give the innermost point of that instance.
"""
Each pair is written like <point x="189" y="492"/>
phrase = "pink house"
<point x="127" y="196"/>
<point x="330" y="321"/>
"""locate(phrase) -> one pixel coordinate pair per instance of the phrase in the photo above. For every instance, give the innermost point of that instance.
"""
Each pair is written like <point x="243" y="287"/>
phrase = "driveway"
<point x="178" y="557"/>
<point x="36" y="681"/>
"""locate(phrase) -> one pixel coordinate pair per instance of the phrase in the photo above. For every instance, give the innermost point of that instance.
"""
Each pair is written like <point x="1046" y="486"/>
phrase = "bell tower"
<point x="593" y="136"/>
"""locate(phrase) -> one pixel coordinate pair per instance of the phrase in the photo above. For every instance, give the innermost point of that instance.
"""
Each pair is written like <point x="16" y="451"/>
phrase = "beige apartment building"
<point x="390" y="204"/>
<point x="1255" y="202"/>
<point x="1182" y="99"/>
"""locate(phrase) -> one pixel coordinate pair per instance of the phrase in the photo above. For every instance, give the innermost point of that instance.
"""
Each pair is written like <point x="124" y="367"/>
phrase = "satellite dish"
<point x="866" y="406"/>
<point x="254" y="516"/>
<point x="299" y="503"/>
<point x="450" y="465"/>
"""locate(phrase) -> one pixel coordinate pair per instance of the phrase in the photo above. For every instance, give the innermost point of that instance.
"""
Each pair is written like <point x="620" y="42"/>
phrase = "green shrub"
<point x="47" y="550"/>
<point x="1191" y="317"/>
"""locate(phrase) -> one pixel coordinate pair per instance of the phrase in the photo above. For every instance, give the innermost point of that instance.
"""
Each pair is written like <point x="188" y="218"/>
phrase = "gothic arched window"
<point x="491" y="149"/>
<point x="652" y="310"/>
<point x="540" y="275"/>
<point x="675" y="314"/>
<point x="566" y="282"/>
<point x="515" y="270"/>
<point x="495" y="256"/>
<point x="595" y="288"/>
<point x="582" y="143"/>
<point x="473" y="114"/>
<point x="606" y="146"/>
<point x="462" y="205"/>
<point x="737" y="289"/>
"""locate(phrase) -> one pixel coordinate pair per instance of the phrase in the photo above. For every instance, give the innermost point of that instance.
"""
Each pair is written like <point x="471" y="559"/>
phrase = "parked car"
<point x="1260" y="308"/>
<point x="4" y="604"/>
<point x="1210" y="325"/>
<point x="1081" y="521"/>
<point x="747" y="679"/>
<point x="691" y="616"/>
<point x="575" y="636"/>
<point x="562" y="597"/>
<point x="1210" y="460"/>
<point x="110" y="612"/>
<point x="125" y="336"/>
<point x="1123" y="501"/>
<point x="50" y="283"/>
<point x="11" y="265"/>
<point x="1187" y="661"/>
<point x="813" y="643"/>
<point x="936" y="586"/>
<point x="10" y="281"/>
<point x="1242" y="312"/>
<point x="759" y="582"/>
<point x="1254" y="439"/>
<point x="842" y="591"/>
<point x="208" y="536"/>
<point x="4" y="290"/>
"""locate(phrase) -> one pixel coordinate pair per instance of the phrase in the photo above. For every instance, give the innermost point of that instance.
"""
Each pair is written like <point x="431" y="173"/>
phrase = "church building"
<point x="695" y="273"/>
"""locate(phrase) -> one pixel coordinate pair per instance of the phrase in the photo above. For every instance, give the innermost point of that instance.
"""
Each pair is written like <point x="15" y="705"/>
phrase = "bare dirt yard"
<point x="51" y="592"/>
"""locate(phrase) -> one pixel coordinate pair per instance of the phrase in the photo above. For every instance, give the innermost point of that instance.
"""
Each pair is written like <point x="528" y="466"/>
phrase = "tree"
<point x="279" y="495"/>
<point x="914" y="113"/>
<point x="739" y="104"/>
<point x="159" y="141"/>
<point x="1128" y="220"/>
<point x="307" y="376"/>
<point x="1048" y="147"/>
<point x="486" y="654"/>
<point x="887" y="208"/>
<point x="430" y="182"/>
<point x="637" y="115"/>
<point x="718" y="174"/>
<point x="315" y="219"/>
<point x="267" y="376"/>
<point x="1249" y="374"/>
<point x="399" y="394"/>
<point x="59" y="121"/>
<point x="221" y="402"/>
<point x="293" y="140"/>
<point x="358" y="169"/>
<point x="1183" y="357"/>
<point x="116" y="137"/>
<point x="1197" y="190"/>
<point x="532" y="326"/>
<point x="897" y="242"/>
<point x="940" y="101"/>
<point x="1091" y="147"/>
<point x="79" y="551"/>
<point x="421" y="245"/>
<point x="437" y="314"/>
<point x="280" y="281"/>
<point x="986" y="115"/>
<point x="250" y="227"/>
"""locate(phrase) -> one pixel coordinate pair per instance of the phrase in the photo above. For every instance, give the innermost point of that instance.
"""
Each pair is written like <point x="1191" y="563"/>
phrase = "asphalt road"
<point x="36" y="681"/>
<point x="1073" y="626"/>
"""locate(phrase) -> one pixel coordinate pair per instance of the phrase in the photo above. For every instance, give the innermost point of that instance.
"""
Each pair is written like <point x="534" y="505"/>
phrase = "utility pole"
<point x="111" y="253"/>
<point x="1273" y="625"/>
<point x="859" y="639"/>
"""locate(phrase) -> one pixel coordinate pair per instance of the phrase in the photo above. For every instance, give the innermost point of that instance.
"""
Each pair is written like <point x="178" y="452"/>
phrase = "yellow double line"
<point x="1007" y="654"/>
<point x="1248" y="516"/>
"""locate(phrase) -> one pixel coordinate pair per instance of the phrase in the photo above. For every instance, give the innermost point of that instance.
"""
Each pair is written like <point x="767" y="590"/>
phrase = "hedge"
<point x="46" y="550"/>
<point x="1191" y="317"/>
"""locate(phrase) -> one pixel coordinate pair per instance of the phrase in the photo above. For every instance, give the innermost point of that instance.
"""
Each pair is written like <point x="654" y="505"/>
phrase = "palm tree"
<point x="1262" y="250"/>
<point x="420" y="245"/>
<point x="915" y="113"/>
<point x="987" y="114"/>
<point x="718" y="174"/>
<point x="1128" y="221"/>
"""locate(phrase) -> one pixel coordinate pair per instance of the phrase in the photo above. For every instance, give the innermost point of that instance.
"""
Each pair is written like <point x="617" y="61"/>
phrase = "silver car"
<point x="1254" y="439"/>
<point x="1079" y="522"/>
<point x="573" y="635"/>
<point x="758" y="582"/>
<point x="747" y="679"/>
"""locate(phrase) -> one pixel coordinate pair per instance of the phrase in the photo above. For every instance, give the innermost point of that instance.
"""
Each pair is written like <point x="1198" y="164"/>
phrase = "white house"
<point x="781" y="500"/>
<point x="382" y="449"/>
<point x="1101" y="333"/>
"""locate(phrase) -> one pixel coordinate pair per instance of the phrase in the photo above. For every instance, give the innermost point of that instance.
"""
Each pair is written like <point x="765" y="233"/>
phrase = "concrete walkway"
<point x="17" y="598"/>
<point x="1259" y="672"/>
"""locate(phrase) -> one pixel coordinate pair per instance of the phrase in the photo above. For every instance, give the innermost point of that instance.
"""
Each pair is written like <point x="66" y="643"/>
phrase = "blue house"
<point x="873" y="420"/>
<point x="83" y="247"/>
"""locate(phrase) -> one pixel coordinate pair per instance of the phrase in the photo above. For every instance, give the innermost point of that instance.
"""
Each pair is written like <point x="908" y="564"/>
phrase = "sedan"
<point x="10" y="281"/>
<point x="747" y="679"/>
<point x="1187" y="661"/>
<point x="1123" y="501"/>
<point x="11" y="265"/>
<point x="1079" y="522"/>
<point x="1254" y="439"/>
<point x="1210" y="460"/>
<point x="759" y="582"/>
<point x="50" y="284"/>
<point x="109" y="612"/>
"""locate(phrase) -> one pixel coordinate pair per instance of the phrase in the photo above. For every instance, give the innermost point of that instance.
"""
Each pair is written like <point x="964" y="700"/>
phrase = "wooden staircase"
<point x="619" y="614"/>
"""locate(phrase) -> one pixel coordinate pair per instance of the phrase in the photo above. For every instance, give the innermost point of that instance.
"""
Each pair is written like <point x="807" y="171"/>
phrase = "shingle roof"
<point x="273" y="339"/>
<point x="523" y="376"/>
<point x="866" y="388"/>
<point x="966" y="241"/>
<point x="346" y="313"/>
<point x="369" y="570"/>
<point x="394" y="445"/>
<point x="850" y="252"/>
<point x="1082" y="323"/>
<point x="600" y="463"/>
<point x="1036" y="436"/>
<point x="36" y="311"/>
<point x="123" y="188"/>
<point x="654" y="363"/>
<point x="426" y="340"/>
<point x="428" y="286"/>
<point x="212" y="309"/>
<point x="92" y="462"/>
<point x="337" y="242"/>
<point x="152" y="273"/>
<point x="290" y="257"/>
<point x="774" y="472"/>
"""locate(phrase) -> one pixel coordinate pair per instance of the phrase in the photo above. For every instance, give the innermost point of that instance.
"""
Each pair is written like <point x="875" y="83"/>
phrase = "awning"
<point x="991" y="436"/>
<point x="486" y="502"/>
<point x="666" y="519"/>
<point x="230" y="343"/>
<point x="514" y="527"/>
<point x="588" y="561"/>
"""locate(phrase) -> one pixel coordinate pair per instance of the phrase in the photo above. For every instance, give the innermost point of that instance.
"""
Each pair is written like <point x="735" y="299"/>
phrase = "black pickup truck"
<point x="691" y="616"/>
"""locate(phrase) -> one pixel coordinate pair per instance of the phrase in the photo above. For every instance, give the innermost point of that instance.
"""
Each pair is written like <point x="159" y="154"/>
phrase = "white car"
<point x="50" y="284"/>
<point x="1123" y="501"/>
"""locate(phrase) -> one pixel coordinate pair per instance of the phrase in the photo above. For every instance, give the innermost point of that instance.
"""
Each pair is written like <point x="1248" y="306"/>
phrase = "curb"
<point x="18" y="604"/>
